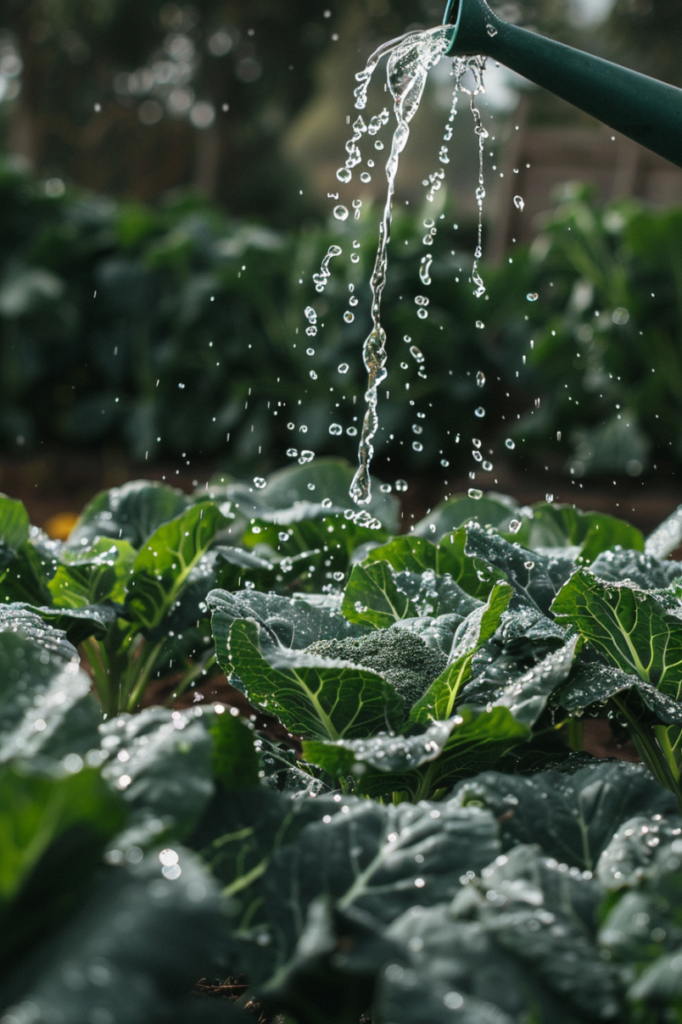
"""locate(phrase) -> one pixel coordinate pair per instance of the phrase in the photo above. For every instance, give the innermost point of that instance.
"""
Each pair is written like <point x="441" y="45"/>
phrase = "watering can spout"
<point x="644" y="109"/>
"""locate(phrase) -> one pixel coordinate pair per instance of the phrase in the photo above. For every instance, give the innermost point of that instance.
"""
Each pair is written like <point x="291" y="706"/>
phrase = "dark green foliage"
<point x="365" y="853"/>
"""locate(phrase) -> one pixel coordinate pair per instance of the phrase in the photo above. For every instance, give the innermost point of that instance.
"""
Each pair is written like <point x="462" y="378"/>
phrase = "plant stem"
<point x="649" y="749"/>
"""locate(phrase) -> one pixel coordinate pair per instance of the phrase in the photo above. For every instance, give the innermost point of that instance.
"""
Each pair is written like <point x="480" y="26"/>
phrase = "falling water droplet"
<point x="342" y="367"/>
<point x="475" y="493"/>
<point x="292" y="453"/>
<point x="480" y="378"/>
<point x="549" y="498"/>
<point x="341" y="212"/>
<point x="510" y="444"/>
<point x="480" y="325"/>
<point x="418" y="446"/>
<point x="424" y="270"/>
<point x="422" y="313"/>
<point x="336" y="429"/>
<point x="349" y="317"/>
<point x="352" y="431"/>
<point x="259" y="482"/>
<point x="401" y="485"/>
<point x="519" y="203"/>
<point x="480" y="412"/>
<point x="344" y="174"/>
<point x="514" y="525"/>
<point x="444" y="463"/>
<point x="532" y="296"/>
<point x="306" y="456"/>
<point x="491" y="30"/>
<point x="365" y="177"/>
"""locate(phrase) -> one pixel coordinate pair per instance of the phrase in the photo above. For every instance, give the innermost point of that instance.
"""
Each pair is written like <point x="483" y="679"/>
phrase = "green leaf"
<point x="371" y="861"/>
<point x="636" y="566"/>
<point x="553" y="526"/>
<point x="50" y="827"/>
<point x="593" y="683"/>
<point x="440" y="699"/>
<point x="461" y="509"/>
<point x="327" y="541"/>
<point x="45" y="702"/>
<point x="78" y="623"/>
<point x="132" y="513"/>
<point x="419" y="765"/>
<point x="666" y="537"/>
<point x="235" y="761"/>
<point x="292" y="622"/>
<point x="416" y="554"/>
<point x="373" y="598"/>
<point x="544" y="962"/>
<point x="630" y="854"/>
<point x="535" y="577"/>
<point x="161" y="761"/>
<point x="93" y="575"/>
<point x="312" y="696"/>
<point x="633" y="629"/>
<point x="527" y="696"/>
<point x="14" y="523"/>
<point x="135" y="946"/>
<point x="572" y="817"/>
<point x="163" y="565"/>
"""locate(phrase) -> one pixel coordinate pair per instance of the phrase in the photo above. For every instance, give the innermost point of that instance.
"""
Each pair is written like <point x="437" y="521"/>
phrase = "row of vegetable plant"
<point x="387" y="813"/>
<point x="148" y="328"/>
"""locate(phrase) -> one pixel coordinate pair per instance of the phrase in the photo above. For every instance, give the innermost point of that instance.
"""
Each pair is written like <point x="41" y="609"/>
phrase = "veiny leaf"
<point x="373" y="597"/>
<point x="527" y="696"/>
<point x="372" y="860"/>
<point x="592" y="682"/>
<point x="163" y="565"/>
<point x="440" y="699"/>
<point x="572" y="817"/>
<point x="633" y="629"/>
<point x="292" y="622"/>
<point x="528" y="572"/>
<point x="419" y="765"/>
<point x="93" y="575"/>
<point x="312" y="696"/>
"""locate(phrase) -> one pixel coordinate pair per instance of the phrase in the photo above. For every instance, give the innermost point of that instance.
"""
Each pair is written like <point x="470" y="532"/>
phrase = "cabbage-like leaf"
<point x="312" y="696"/>
<point x="637" y="631"/>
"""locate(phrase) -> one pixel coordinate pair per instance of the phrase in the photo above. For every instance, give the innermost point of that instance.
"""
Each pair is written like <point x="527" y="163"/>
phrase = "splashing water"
<point x="410" y="59"/>
<point x="320" y="280"/>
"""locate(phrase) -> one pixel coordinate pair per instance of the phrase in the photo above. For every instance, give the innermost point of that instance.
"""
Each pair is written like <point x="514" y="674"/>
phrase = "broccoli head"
<point x="399" y="655"/>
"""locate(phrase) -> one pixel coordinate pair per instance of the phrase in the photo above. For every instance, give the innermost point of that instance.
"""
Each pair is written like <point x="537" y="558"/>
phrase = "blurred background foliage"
<point x="161" y="217"/>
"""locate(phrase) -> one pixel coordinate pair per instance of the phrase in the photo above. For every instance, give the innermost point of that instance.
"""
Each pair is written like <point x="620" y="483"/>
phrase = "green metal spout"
<point x="644" y="109"/>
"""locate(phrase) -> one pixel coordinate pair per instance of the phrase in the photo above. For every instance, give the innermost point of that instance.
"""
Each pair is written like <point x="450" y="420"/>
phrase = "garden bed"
<point x="371" y="797"/>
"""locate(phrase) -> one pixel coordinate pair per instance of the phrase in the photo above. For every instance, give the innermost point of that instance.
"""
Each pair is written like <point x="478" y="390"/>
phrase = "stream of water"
<point x="410" y="58"/>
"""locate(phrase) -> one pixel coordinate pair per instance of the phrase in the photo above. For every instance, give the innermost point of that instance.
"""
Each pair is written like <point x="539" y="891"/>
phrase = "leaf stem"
<point x="649" y="749"/>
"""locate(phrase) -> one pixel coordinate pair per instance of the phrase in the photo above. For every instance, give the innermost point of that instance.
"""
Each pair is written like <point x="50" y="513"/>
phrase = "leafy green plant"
<point x="404" y="825"/>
